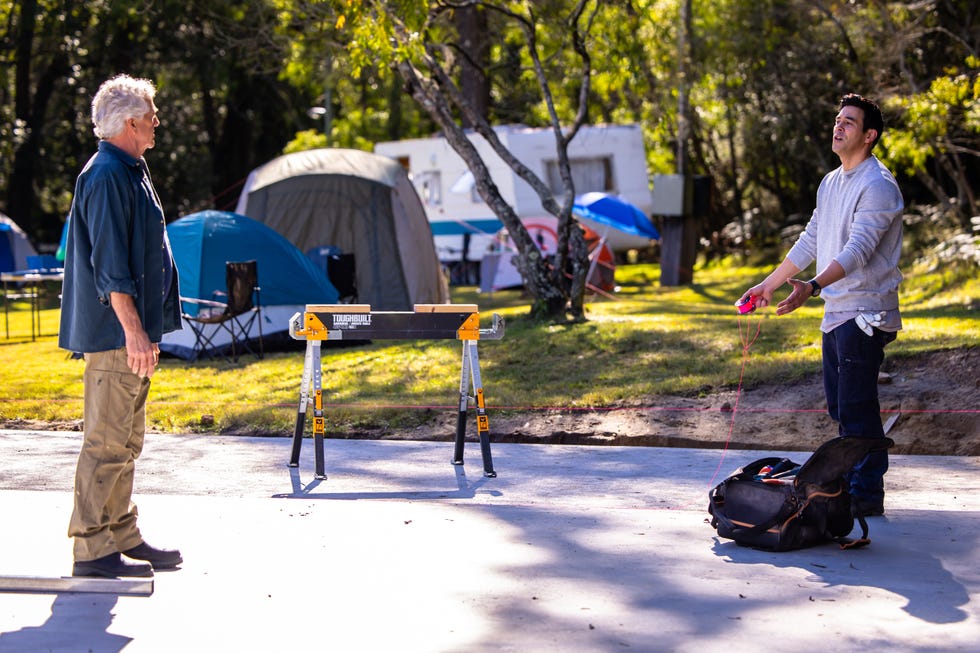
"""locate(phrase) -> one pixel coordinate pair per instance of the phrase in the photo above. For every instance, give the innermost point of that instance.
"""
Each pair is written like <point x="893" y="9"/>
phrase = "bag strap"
<point x="742" y="529"/>
<point x="864" y="540"/>
<point x="844" y="542"/>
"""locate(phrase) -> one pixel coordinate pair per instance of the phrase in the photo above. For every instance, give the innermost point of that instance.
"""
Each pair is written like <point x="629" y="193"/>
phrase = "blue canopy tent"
<point x="203" y="242"/>
<point x="622" y="224"/>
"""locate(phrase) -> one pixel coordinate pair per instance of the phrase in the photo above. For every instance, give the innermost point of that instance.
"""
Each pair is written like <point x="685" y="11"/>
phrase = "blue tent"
<point x="14" y="246"/>
<point x="63" y="243"/>
<point x="203" y="242"/>
<point x="6" y="249"/>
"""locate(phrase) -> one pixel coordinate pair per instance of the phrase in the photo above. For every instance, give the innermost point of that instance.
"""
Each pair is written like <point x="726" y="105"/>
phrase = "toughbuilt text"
<point x="351" y="320"/>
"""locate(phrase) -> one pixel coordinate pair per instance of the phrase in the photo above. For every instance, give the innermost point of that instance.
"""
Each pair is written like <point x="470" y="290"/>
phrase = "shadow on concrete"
<point x="464" y="490"/>
<point x="898" y="561"/>
<point x="78" y="622"/>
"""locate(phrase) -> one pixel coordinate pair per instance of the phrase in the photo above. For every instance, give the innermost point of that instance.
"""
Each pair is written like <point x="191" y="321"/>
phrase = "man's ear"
<point x="870" y="135"/>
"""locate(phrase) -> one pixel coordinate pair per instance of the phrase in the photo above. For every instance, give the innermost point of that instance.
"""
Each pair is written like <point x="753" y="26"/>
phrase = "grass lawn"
<point x="644" y="342"/>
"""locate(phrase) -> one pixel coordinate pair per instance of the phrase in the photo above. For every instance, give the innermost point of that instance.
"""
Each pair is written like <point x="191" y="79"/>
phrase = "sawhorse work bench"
<point x="358" y="322"/>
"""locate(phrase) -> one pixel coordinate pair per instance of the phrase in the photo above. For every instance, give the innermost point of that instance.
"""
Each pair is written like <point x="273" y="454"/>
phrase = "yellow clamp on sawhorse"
<point x="358" y="322"/>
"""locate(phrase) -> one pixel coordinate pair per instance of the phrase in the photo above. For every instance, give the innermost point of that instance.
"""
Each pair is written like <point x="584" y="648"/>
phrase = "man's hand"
<point x="762" y="295"/>
<point x="763" y="292"/>
<point x="802" y="291"/>
<point x="141" y="354"/>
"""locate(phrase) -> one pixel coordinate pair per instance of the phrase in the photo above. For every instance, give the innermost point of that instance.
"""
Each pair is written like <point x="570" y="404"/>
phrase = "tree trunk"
<point x="543" y="283"/>
<point x="37" y="77"/>
<point x="20" y="191"/>
<point x="471" y="23"/>
<point x="966" y="200"/>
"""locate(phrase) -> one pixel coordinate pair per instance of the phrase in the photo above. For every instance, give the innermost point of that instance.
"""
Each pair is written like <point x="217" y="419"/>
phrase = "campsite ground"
<point x="933" y="396"/>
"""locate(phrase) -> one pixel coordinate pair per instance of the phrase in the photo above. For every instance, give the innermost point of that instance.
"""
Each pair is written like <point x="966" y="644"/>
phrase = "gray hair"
<point x="118" y="100"/>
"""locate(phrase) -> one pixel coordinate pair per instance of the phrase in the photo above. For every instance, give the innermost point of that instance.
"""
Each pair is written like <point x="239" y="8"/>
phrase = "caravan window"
<point x="428" y="183"/>
<point x="588" y="175"/>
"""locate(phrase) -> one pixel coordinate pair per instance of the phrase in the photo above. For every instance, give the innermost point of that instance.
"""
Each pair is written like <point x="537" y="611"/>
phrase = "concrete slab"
<point x="569" y="548"/>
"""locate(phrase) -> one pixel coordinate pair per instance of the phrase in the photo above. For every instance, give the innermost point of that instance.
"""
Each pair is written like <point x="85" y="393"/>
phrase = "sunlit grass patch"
<point x="646" y="341"/>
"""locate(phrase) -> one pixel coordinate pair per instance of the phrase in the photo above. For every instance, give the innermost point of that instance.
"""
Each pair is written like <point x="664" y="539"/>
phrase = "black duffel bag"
<point x="774" y="504"/>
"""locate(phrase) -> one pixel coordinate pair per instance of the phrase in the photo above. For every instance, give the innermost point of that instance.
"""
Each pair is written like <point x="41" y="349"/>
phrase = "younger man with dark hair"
<point x="855" y="236"/>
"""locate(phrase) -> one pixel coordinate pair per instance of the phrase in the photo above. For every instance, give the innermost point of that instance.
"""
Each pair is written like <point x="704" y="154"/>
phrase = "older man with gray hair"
<point x="120" y="296"/>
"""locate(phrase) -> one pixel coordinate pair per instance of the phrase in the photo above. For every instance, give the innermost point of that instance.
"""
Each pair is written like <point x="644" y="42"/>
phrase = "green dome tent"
<point x="361" y="203"/>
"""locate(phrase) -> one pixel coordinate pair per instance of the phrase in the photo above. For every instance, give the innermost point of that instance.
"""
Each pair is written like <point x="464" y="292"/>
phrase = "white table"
<point x="30" y="282"/>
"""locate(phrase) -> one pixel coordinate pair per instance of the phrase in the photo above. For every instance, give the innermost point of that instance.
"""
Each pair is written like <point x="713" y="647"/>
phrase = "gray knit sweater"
<point x="858" y="223"/>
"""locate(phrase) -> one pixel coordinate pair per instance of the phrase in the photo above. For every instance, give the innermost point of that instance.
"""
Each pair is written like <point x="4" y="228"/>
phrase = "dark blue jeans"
<point x="851" y="362"/>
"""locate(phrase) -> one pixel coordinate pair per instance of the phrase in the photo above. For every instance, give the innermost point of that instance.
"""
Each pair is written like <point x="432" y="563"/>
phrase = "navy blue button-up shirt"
<point x="117" y="242"/>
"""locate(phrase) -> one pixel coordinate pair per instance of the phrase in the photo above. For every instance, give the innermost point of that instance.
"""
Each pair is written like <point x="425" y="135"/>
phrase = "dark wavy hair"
<point x="872" y="114"/>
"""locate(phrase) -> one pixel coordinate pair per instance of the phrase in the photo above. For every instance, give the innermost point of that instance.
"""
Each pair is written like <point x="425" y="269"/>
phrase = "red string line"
<point x="747" y="342"/>
<point x="522" y="408"/>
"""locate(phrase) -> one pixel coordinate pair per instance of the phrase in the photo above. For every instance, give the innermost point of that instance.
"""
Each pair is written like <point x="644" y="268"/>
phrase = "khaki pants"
<point x="104" y="518"/>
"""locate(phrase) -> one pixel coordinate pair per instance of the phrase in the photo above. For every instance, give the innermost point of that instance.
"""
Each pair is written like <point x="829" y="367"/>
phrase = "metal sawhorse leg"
<point x="311" y="392"/>
<point x="471" y="371"/>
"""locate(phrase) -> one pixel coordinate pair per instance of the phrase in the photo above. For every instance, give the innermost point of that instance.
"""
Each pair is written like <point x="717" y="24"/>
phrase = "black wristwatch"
<point x="816" y="288"/>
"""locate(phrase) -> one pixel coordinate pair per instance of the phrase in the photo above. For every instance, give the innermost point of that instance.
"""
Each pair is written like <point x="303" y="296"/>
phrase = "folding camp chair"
<point x="234" y="317"/>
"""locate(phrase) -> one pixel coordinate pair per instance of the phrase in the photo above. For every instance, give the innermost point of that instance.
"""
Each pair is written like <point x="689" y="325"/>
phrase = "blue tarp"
<point x="616" y="213"/>
<point x="202" y="243"/>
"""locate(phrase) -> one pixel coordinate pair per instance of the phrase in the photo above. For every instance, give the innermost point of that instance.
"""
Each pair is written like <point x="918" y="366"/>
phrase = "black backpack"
<point x="789" y="506"/>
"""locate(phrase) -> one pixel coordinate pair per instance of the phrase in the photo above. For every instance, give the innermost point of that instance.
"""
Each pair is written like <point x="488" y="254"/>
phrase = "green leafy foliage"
<point x="237" y="81"/>
<point x="941" y="119"/>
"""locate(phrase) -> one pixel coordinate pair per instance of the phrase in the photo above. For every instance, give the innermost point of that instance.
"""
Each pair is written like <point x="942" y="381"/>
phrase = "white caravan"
<point x="608" y="158"/>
